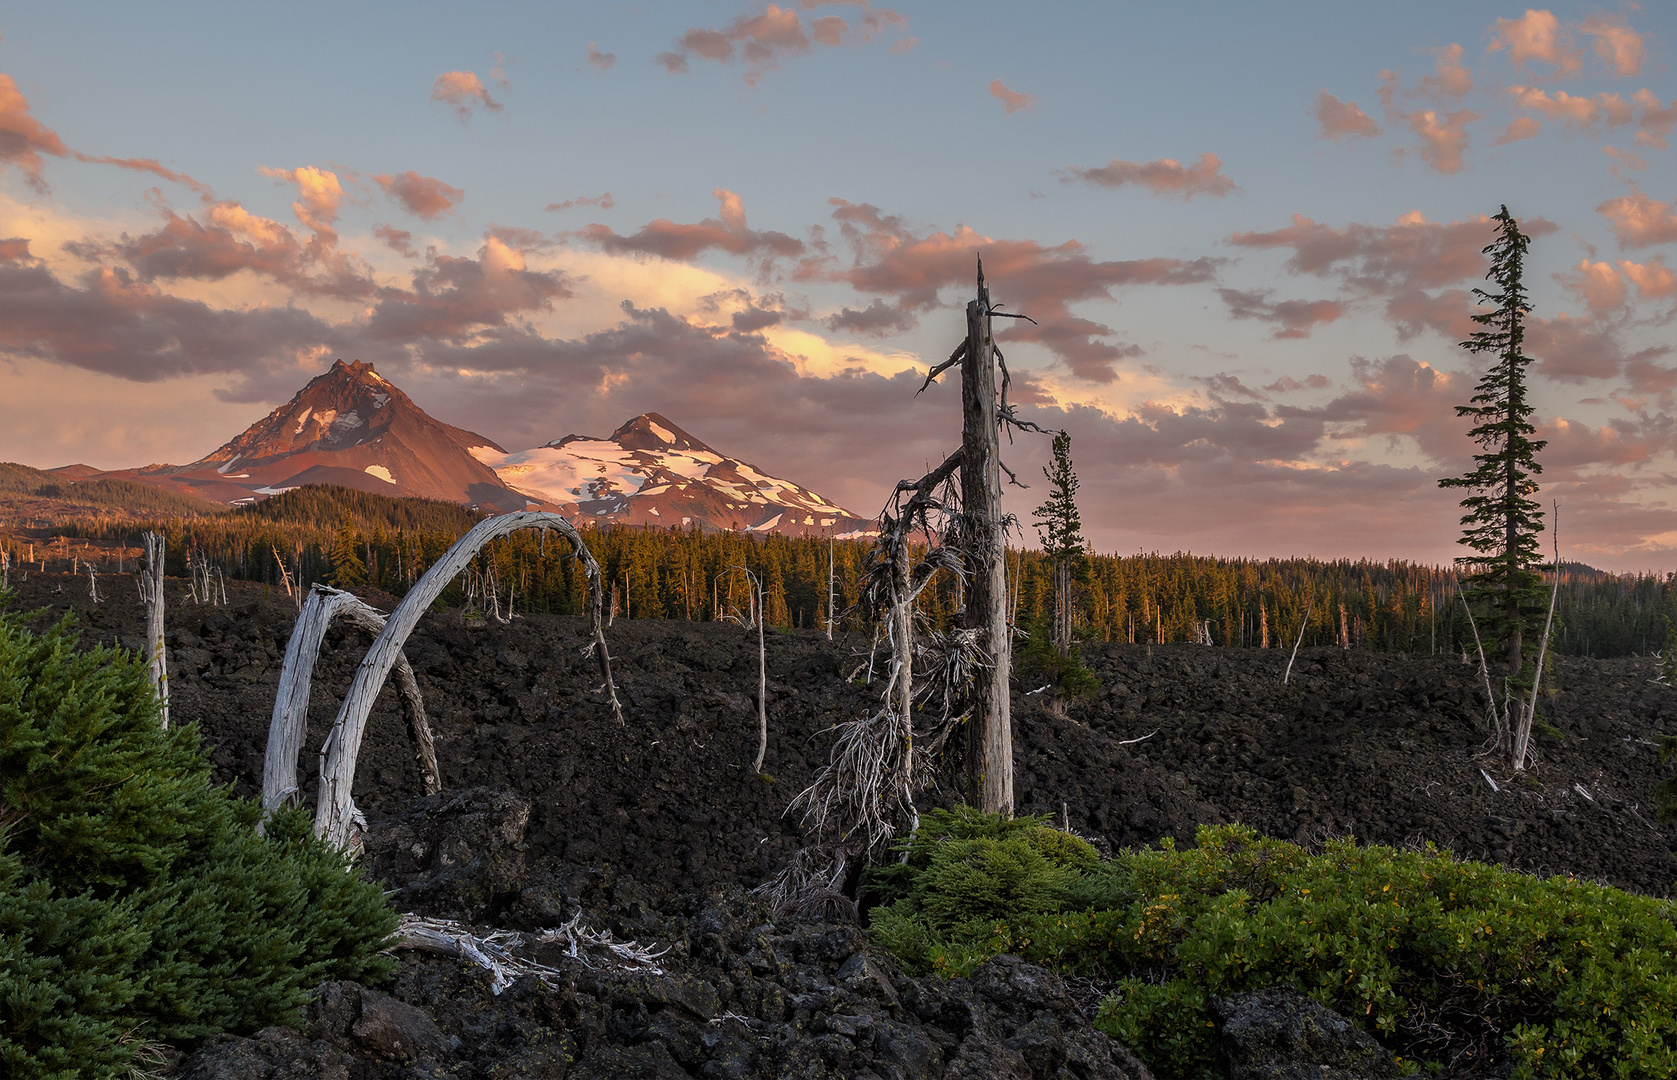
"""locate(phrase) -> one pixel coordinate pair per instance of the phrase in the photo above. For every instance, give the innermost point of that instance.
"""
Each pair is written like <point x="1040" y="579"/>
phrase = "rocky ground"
<point x="656" y="829"/>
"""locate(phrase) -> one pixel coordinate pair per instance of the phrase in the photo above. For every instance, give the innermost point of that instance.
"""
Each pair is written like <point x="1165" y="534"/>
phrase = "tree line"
<point x="356" y="539"/>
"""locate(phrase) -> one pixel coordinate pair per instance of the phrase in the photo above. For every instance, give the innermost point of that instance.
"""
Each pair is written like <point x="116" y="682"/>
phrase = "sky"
<point x="1248" y="236"/>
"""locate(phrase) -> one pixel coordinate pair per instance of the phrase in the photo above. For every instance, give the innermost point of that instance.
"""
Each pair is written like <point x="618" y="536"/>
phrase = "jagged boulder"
<point x="1279" y="1034"/>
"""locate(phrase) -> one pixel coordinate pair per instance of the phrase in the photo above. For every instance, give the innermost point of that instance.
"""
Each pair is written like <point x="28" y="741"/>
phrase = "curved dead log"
<point x="335" y="817"/>
<point x="289" y="726"/>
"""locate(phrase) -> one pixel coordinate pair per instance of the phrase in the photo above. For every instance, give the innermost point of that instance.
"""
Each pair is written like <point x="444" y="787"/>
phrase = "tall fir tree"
<point x="348" y="569"/>
<point x="1061" y="531"/>
<point x="1503" y="521"/>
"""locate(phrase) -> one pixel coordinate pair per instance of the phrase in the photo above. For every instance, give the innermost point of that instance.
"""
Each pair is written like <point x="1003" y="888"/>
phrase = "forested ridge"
<point x="322" y="533"/>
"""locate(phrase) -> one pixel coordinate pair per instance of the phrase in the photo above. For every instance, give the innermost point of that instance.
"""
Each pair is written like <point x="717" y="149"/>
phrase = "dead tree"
<point x="755" y="586"/>
<point x="336" y="818"/>
<point x="289" y="727"/>
<point x="151" y="594"/>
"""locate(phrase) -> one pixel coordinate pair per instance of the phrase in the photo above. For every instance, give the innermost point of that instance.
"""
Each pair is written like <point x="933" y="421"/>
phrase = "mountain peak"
<point x="651" y="431"/>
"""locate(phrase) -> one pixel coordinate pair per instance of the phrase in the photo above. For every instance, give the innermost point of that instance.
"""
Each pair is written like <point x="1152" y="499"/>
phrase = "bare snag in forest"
<point x="754" y="585"/>
<point x="151" y="594"/>
<point x="289" y="727"/>
<point x="335" y="813"/>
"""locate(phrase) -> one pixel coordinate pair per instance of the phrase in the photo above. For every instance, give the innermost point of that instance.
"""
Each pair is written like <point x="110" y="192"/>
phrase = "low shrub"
<point x="1442" y="960"/>
<point x="137" y="902"/>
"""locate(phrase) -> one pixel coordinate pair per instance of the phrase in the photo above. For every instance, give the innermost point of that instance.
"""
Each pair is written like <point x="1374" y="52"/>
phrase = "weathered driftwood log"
<point x="335" y="814"/>
<point x="151" y="591"/>
<point x="289" y="727"/>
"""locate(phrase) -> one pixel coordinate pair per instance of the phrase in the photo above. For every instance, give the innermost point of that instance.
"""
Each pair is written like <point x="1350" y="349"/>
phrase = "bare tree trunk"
<point x="902" y="651"/>
<point x="1522" y="733"/>
<point x="152" y="590"/>
<point x="335" y="814"/>
<point x="762" y="682"/>
<point x="829" y="586"/>
<point x="990" y="739"/>
<point x="289" y="727"/>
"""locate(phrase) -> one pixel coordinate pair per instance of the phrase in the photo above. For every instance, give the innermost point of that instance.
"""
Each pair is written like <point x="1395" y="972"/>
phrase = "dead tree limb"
<point x="335" y="814"/>
<point x="1522" y="733"/>
<point x="288" y="729"/>
<point x="151" y="592"/>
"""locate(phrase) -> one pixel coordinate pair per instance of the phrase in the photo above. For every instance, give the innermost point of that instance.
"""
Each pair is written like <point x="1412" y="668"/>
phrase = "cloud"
<point x="890" y="259"/>
<point x="452" y="298"/>
<point x="1293" y="318"/>
<point x="463" y="91"/>
<point x="111" y="322"/>
<point x="1521" y="127"/>
<point x="1165" y="177"/>
<point x="1443" y="136"/>
<point x="1625" y="157"/>
<point x="669" y="240"/>
<point x="1537" y="36"/>
<point x="1653" y="279"/>
<point x="397" y="240"/>
<point x="1597" y="284"/>
<point x="1639" y="220"/>
<point x="1621" y="47"/>
<point x="23" y="139"/>
<point x="1449" y="79"/>
<point x="1578" y="113"/>
<point x="876" y="320"/>
<point x="153" y="166"/>
<point x="319" y="195"/>
<point x="600" y="61"/>
<point x="762" y="40"/>
<point x="604" y="202"/>
<point x="1011" y="101"/>
<point x="1337" y="119"/>
<point x="1657" y="121"/>
<point x="425" y="197"/>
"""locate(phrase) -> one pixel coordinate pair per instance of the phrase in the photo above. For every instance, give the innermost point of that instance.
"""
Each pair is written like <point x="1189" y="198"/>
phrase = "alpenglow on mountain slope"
<point x="651" y="472"/>
<point x="352" y="427"/>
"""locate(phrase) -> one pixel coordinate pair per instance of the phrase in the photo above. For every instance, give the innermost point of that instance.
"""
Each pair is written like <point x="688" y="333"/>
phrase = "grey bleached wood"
<point x="990" y="731"/>
<point x="336" y="818"/>
<point x="289" y="727"/>
<point x="151" y="590"/>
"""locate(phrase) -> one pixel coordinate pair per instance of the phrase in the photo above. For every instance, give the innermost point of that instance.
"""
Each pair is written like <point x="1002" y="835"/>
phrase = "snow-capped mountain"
<point x="351" y="427"/>
<point x="651" y="472"/>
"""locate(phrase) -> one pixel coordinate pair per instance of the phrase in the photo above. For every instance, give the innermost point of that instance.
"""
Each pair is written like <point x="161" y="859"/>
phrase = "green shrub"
<point x="1041" y="664"/>
<point x="1434" y="956"/>
<point x="137" y="902"/>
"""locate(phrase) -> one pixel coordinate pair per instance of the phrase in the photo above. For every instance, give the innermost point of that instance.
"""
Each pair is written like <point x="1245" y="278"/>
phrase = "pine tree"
<point x="1502" y="520"/>
<point x="1061" y="532"/>
<point x="137" y="902"/>
<point x="348" y="571"/>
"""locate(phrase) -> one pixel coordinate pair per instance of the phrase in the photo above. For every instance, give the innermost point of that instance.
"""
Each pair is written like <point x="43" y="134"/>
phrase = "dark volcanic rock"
<point x="1280" y="1034"/>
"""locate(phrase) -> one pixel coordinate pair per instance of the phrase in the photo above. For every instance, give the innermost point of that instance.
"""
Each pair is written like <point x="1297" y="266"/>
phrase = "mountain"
<point x="352" y="427"/>
<point x="651" y="472"/>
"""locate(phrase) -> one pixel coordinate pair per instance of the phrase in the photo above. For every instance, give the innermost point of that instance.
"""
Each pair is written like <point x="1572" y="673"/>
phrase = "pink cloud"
<point x="1337" y="119"/>
<point x="1597" y="284"/>
<point x="1628" y="159"/>
<point x="1294" y="319"/>
<point x="1521" y="127"/>
<point x="1621" y="47"/>
<point x="1165" y="177"/>
<point x="1639" y="220"/>
<point x="1012" y="102"/>
<point x="892" y="260"/>
<point x="23" y="139"/>
<point x="1579" y="113"/>
<point x="452" y="298"/>
<point x="463" y="91"/>
<point x="397" y="240"/>
<point x="425" y="197"/>
<point x="1657" y="120"/>
<point x="764" y="39"/>
<point x="1653" y="279"/>
<point x="600" y="61"/>
<point x="154" y="167"/>
<point x="604" y="202"/>
<point x="1537" y="36"/>
<point x="668" y="240"/>
<point x="319" y="195"/>
<point x="1449" y="79"/>
<point x="1443" y="136"/>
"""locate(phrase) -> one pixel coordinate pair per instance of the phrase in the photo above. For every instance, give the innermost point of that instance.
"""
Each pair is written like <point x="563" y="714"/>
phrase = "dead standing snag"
<point x="335" y="814"/>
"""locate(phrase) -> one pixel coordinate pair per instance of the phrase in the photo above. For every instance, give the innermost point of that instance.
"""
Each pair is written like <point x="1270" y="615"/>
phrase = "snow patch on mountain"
<point x="381" y="472"/>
